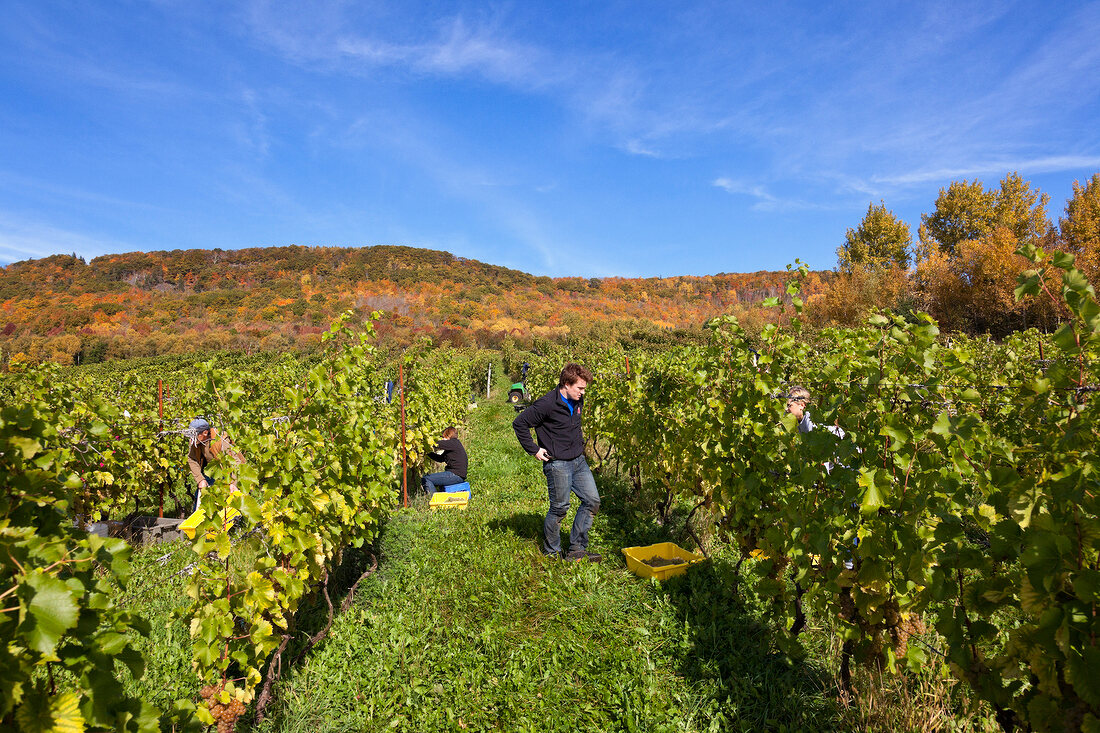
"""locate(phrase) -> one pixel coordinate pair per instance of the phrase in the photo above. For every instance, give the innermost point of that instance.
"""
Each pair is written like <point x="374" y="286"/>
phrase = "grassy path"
<point x="466" y="627"/>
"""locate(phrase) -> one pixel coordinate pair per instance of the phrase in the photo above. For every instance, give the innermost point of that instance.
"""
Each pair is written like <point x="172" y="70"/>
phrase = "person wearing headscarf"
<point x="206" y="446"/>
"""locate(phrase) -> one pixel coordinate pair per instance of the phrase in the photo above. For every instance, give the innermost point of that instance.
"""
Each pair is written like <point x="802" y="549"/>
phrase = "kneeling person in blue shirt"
<point x="449" y="451"/>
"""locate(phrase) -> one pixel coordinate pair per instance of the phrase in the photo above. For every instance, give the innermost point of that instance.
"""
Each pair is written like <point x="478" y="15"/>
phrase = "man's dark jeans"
<point x="433" y="482"/>
<point x="563" y="477"/>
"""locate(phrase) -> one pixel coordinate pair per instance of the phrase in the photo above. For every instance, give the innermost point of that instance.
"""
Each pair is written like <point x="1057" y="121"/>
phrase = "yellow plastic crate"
<point x="636" y="557"/>
<point x="450" y="500"/>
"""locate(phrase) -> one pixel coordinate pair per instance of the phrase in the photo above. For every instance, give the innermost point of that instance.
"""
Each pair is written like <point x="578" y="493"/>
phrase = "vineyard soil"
<point x="660" y="562"/>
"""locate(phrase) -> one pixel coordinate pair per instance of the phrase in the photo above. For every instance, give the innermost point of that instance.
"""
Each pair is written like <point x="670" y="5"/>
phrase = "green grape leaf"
<point x="1081" y="672"/>
<point x="250" y="508"/>
<point x="1029" y="284"/>
<point x="872" y="495"/>
<point x="50" y="613"/>
<point x="41" y="714"/>
<point x="27" y="446"/>
<point x="1062" y="260"/>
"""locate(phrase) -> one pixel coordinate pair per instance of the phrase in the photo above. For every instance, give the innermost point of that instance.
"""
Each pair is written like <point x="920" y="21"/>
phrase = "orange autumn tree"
<point x="974" y="289"/>
<point x="967" y="266"/>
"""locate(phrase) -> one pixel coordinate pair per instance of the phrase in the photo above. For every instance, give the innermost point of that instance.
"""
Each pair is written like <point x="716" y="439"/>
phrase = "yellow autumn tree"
<point x="871" y="272"/>
<point x="1079" y="229"/>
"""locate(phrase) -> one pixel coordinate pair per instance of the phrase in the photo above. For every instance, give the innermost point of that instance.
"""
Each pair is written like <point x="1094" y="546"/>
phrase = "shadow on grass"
<point x="733" y="654"/>
<point x="528" y="526"/>
<point x="728" y="650"/>
<point x="525" y="525"/>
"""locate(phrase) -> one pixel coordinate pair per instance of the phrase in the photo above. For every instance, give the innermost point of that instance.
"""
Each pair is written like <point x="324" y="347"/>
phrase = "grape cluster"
<point x="225" y="715"/>
<point x="895" y="628"/>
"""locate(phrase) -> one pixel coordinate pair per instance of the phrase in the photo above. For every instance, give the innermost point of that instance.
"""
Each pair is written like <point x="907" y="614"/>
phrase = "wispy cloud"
<point x="765" y="200"/>
<point x="1034" y="166"/>
<point x="598" y="87"/>
<point x="73" y="195"/>
<point x="458" y="50"/>
<point x="252" y="130"/>
<point x="59" y="57"/>
<point x="961" y="96"/>
<point x="417" y="143"/>
<point x="322" y="36"/>
<point x="1060" y="73"/>
<point x="22" y="239"/>
<point x="637" y="147"/>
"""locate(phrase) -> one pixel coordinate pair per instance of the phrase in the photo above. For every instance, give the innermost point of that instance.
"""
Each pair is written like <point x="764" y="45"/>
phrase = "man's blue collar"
<point x="571" y="404"/>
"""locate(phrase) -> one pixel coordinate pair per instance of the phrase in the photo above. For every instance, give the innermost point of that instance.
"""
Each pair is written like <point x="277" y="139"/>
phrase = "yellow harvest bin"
<point x="660" y="554"/>
<point x="450" y="500"/>
<point x="191" y="524"/>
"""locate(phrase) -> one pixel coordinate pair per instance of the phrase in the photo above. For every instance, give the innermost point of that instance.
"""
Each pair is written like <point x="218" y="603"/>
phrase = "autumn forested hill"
<point x="63" y="309"/>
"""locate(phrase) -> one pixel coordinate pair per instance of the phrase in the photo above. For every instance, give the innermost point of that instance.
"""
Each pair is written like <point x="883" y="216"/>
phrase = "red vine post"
<point x="160" y="412"/>
<point x="404" y="457"/>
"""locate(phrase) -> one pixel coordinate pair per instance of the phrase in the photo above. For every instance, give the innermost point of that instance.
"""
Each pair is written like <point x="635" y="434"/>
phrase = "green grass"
<point x="157" y="590"/>
<point x="466" y="626"/>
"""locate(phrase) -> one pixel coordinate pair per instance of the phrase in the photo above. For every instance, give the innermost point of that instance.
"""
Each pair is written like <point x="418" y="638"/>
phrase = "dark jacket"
<point x="557" y="431"/>
<point x="451" y="452"/>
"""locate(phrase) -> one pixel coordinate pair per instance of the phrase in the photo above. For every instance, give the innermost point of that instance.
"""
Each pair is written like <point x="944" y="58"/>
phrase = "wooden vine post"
<point x="404" y="455"/>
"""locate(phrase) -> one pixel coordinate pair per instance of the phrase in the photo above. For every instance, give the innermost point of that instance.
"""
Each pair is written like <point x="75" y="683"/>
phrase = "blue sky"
<point x="559" y="138"/>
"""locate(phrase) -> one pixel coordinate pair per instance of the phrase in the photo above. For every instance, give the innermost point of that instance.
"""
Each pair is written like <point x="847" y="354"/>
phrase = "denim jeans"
<point x="198" y="493"/>
<point x="433" y="482"/>
<point x="563" y="477"/>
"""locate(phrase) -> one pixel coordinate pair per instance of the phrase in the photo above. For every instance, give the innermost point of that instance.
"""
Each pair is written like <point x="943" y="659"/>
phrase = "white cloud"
<point x="1033" y="166"/>
<point x="599" y="87"/>
<point x="765" y="200"/>
<point x="253" y="130"/>
<point x="70" y="194"/>
<point x="457" y="49"/>
<point x="22" y="239"/>
<point x="637" y="147"/>
<point x="421" y="144"/>
<point x="461" y="50"/>
<point x="755" y="190"/>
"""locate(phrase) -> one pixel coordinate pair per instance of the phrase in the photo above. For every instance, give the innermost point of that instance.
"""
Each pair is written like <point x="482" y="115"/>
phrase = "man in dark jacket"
<point x="556" y="419"/>
<point x="448" y="451"/>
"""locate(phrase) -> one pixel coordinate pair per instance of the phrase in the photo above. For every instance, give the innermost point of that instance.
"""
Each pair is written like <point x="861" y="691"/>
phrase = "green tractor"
<point x="517" y="393"/>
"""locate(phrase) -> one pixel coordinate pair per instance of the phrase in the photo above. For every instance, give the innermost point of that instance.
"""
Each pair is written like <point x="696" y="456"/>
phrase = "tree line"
<point x="64" y="310"/>
<point x="964" y="265"/>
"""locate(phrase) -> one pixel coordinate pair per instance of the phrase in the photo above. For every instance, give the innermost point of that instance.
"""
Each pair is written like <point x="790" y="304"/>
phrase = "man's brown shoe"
<point x="579" y="555"/>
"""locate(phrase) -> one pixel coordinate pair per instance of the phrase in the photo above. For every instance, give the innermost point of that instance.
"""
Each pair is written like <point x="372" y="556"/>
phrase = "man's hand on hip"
<point x="542" y="455"/>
